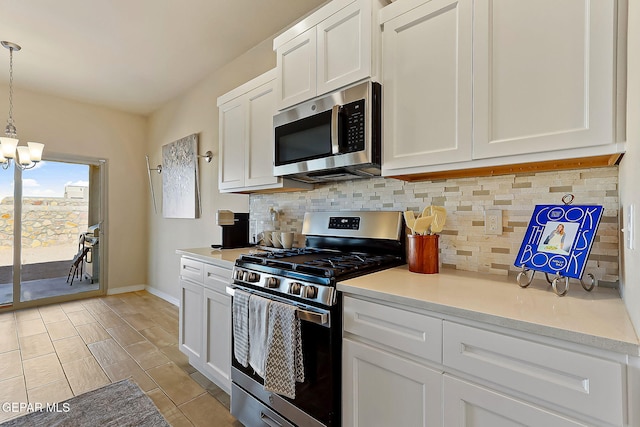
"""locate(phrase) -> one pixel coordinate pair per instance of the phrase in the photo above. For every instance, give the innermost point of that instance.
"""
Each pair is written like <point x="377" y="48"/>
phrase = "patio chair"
<point x="78" y="261"/>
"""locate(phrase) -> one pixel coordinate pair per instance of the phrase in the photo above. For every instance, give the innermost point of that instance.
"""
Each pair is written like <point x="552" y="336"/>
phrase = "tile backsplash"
<point x="463" y="242"/>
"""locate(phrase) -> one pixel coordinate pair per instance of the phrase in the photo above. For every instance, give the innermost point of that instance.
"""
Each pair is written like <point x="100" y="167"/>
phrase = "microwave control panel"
<point x="353" y="127"/>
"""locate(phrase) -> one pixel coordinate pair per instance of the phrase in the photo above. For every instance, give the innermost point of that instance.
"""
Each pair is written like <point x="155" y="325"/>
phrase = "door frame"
<point x="102" y="211"/>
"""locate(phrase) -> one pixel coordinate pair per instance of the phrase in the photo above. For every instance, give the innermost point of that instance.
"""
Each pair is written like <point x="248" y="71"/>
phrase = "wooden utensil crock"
<point x="422" y="253"/>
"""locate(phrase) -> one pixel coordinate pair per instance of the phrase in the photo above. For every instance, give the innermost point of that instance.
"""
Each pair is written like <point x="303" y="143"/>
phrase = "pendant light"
<point x="24" y="157"/>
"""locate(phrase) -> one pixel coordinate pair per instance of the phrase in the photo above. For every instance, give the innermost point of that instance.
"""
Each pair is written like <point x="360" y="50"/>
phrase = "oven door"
<point x="317" y="401"/>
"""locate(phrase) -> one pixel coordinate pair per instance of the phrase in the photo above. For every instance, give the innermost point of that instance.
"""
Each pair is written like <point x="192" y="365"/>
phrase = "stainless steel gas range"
<point x="338" y="246"/>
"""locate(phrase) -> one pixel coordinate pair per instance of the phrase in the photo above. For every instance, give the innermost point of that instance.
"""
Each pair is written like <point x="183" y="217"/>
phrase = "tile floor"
<point x="51" y="353"/>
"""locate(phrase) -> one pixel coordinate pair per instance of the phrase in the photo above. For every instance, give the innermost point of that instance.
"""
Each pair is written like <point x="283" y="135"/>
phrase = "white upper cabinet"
<point x="296" y="65"/>
<point x="427" y="83"/>
<point x="246" y="138"/>
<point x="543" y="75"/>
<point x="331" y="48"/>
<point x="484" y="83"/>
<point x="344" y="47"/>
<point x="258" y="164"/>
<point x="232" y="144"/>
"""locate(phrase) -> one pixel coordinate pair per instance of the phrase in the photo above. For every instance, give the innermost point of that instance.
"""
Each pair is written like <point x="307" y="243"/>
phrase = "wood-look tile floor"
<point x="51" y="353"/>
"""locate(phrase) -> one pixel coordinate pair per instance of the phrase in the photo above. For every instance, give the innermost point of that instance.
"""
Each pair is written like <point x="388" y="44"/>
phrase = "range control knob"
<point x="294" y="288"/>
<point x="272" y="282"/>
<point x="253" y="277"/>
<point x="238" y="275"/>
<point x="309" y="291"/>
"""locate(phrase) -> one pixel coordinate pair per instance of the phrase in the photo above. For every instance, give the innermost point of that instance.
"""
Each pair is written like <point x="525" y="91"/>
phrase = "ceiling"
<point x="133" y="55"/>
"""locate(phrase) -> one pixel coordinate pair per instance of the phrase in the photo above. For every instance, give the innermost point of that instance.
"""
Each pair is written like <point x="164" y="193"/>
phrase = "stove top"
<point x="340" y="246"/>
<point x="323" y="262"/>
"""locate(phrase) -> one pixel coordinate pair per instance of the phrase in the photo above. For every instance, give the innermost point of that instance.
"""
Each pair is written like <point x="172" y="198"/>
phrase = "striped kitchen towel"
<point x="284" y="363"/>
<point x="241" y="327"/>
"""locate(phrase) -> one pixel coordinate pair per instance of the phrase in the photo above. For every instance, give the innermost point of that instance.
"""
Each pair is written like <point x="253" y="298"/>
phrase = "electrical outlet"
<point x="493" y="221"/>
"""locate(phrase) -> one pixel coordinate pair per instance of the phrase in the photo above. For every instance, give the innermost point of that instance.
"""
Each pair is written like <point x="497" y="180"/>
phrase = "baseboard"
<point x="165" y="296"/>
<point x="125" y="289"/>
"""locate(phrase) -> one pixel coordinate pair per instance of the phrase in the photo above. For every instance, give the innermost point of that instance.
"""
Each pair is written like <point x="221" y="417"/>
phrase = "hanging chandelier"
<point x="24" y="157"/>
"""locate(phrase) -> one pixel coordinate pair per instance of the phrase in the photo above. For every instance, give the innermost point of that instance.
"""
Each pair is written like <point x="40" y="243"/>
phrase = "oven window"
<point x="304" y="139"/>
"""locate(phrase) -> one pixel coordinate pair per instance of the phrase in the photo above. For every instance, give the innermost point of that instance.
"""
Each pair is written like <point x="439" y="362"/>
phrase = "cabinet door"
<point x="232" y="144"/>
<point x="259" y="159"/>
<point x="543" y="75"/>
<point x="190" y="333"/>
<point x="296" y="65"/>
<point x="344" y="47"/>
<point x="469" y="405"/>
<point x="582" y="383"/>
<point x="427" y="79"/>
<point x="382" y="389"/>
<point x="217" y="338"/>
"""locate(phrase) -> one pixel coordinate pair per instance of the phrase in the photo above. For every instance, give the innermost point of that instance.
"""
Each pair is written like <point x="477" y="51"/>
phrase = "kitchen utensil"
<point x="410" y="219"/>
<point x="440" y="217"/>
<point x="422" y="224"/>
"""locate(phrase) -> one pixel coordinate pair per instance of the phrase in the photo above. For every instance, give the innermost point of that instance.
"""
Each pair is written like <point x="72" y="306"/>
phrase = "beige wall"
<point x="195" y="112"/>
<point x="77" y="129"/>
<point x="629" y="168"/>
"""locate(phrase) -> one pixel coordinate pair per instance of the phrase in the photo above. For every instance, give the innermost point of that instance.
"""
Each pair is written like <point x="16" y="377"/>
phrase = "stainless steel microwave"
<point x="331" y="138"/>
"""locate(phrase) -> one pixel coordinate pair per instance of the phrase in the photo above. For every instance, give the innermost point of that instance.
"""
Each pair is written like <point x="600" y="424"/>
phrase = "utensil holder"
<point x="422" y="253"/>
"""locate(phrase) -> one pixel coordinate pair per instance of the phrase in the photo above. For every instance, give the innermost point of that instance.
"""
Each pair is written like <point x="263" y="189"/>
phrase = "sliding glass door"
<point x="50" y="232"/>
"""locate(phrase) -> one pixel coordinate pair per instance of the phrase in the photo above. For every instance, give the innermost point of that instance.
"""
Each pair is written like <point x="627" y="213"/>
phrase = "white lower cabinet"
<point x="190" y="332"/>
<point x="205" y="321"/>
<point x="469" y="405"/>
<point x="385" y="380"/>
<point x="588" y="385"/>
<point x="217" y="340"/>
<point x="403" y="366"/>
<point x="384" y="389"/>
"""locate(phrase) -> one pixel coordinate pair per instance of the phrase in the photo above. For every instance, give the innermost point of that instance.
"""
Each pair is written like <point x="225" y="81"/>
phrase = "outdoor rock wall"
<point x="46" y="221"/>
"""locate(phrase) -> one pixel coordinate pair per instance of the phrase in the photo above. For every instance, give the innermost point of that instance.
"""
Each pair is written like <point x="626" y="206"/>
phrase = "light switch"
<point x="629" y="227"/>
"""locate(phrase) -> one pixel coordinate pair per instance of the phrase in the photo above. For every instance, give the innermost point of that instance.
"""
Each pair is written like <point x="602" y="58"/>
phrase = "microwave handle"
<point x="335" y="135"/>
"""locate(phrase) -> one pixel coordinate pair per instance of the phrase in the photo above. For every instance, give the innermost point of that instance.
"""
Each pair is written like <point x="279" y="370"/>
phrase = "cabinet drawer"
<point x="216" y="278"/>
<point x="588" y="385"/>
<point x="406" y="331"/>
<point x="191" y="269"/>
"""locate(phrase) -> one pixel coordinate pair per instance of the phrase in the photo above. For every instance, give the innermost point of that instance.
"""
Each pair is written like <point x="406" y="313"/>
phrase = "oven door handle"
<point x="305" y="315"/>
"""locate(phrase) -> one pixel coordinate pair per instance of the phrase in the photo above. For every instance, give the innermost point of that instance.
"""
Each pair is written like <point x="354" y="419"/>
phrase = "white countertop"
<point x="598" y="318"/>
<point x="223" y="257"/>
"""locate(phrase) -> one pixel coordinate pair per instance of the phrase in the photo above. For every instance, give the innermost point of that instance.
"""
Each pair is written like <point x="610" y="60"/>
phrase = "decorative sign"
<point x="559" y="239"/>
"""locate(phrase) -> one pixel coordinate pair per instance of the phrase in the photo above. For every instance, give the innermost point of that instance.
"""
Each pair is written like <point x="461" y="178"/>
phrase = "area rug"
<point x="118" y="404"/>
